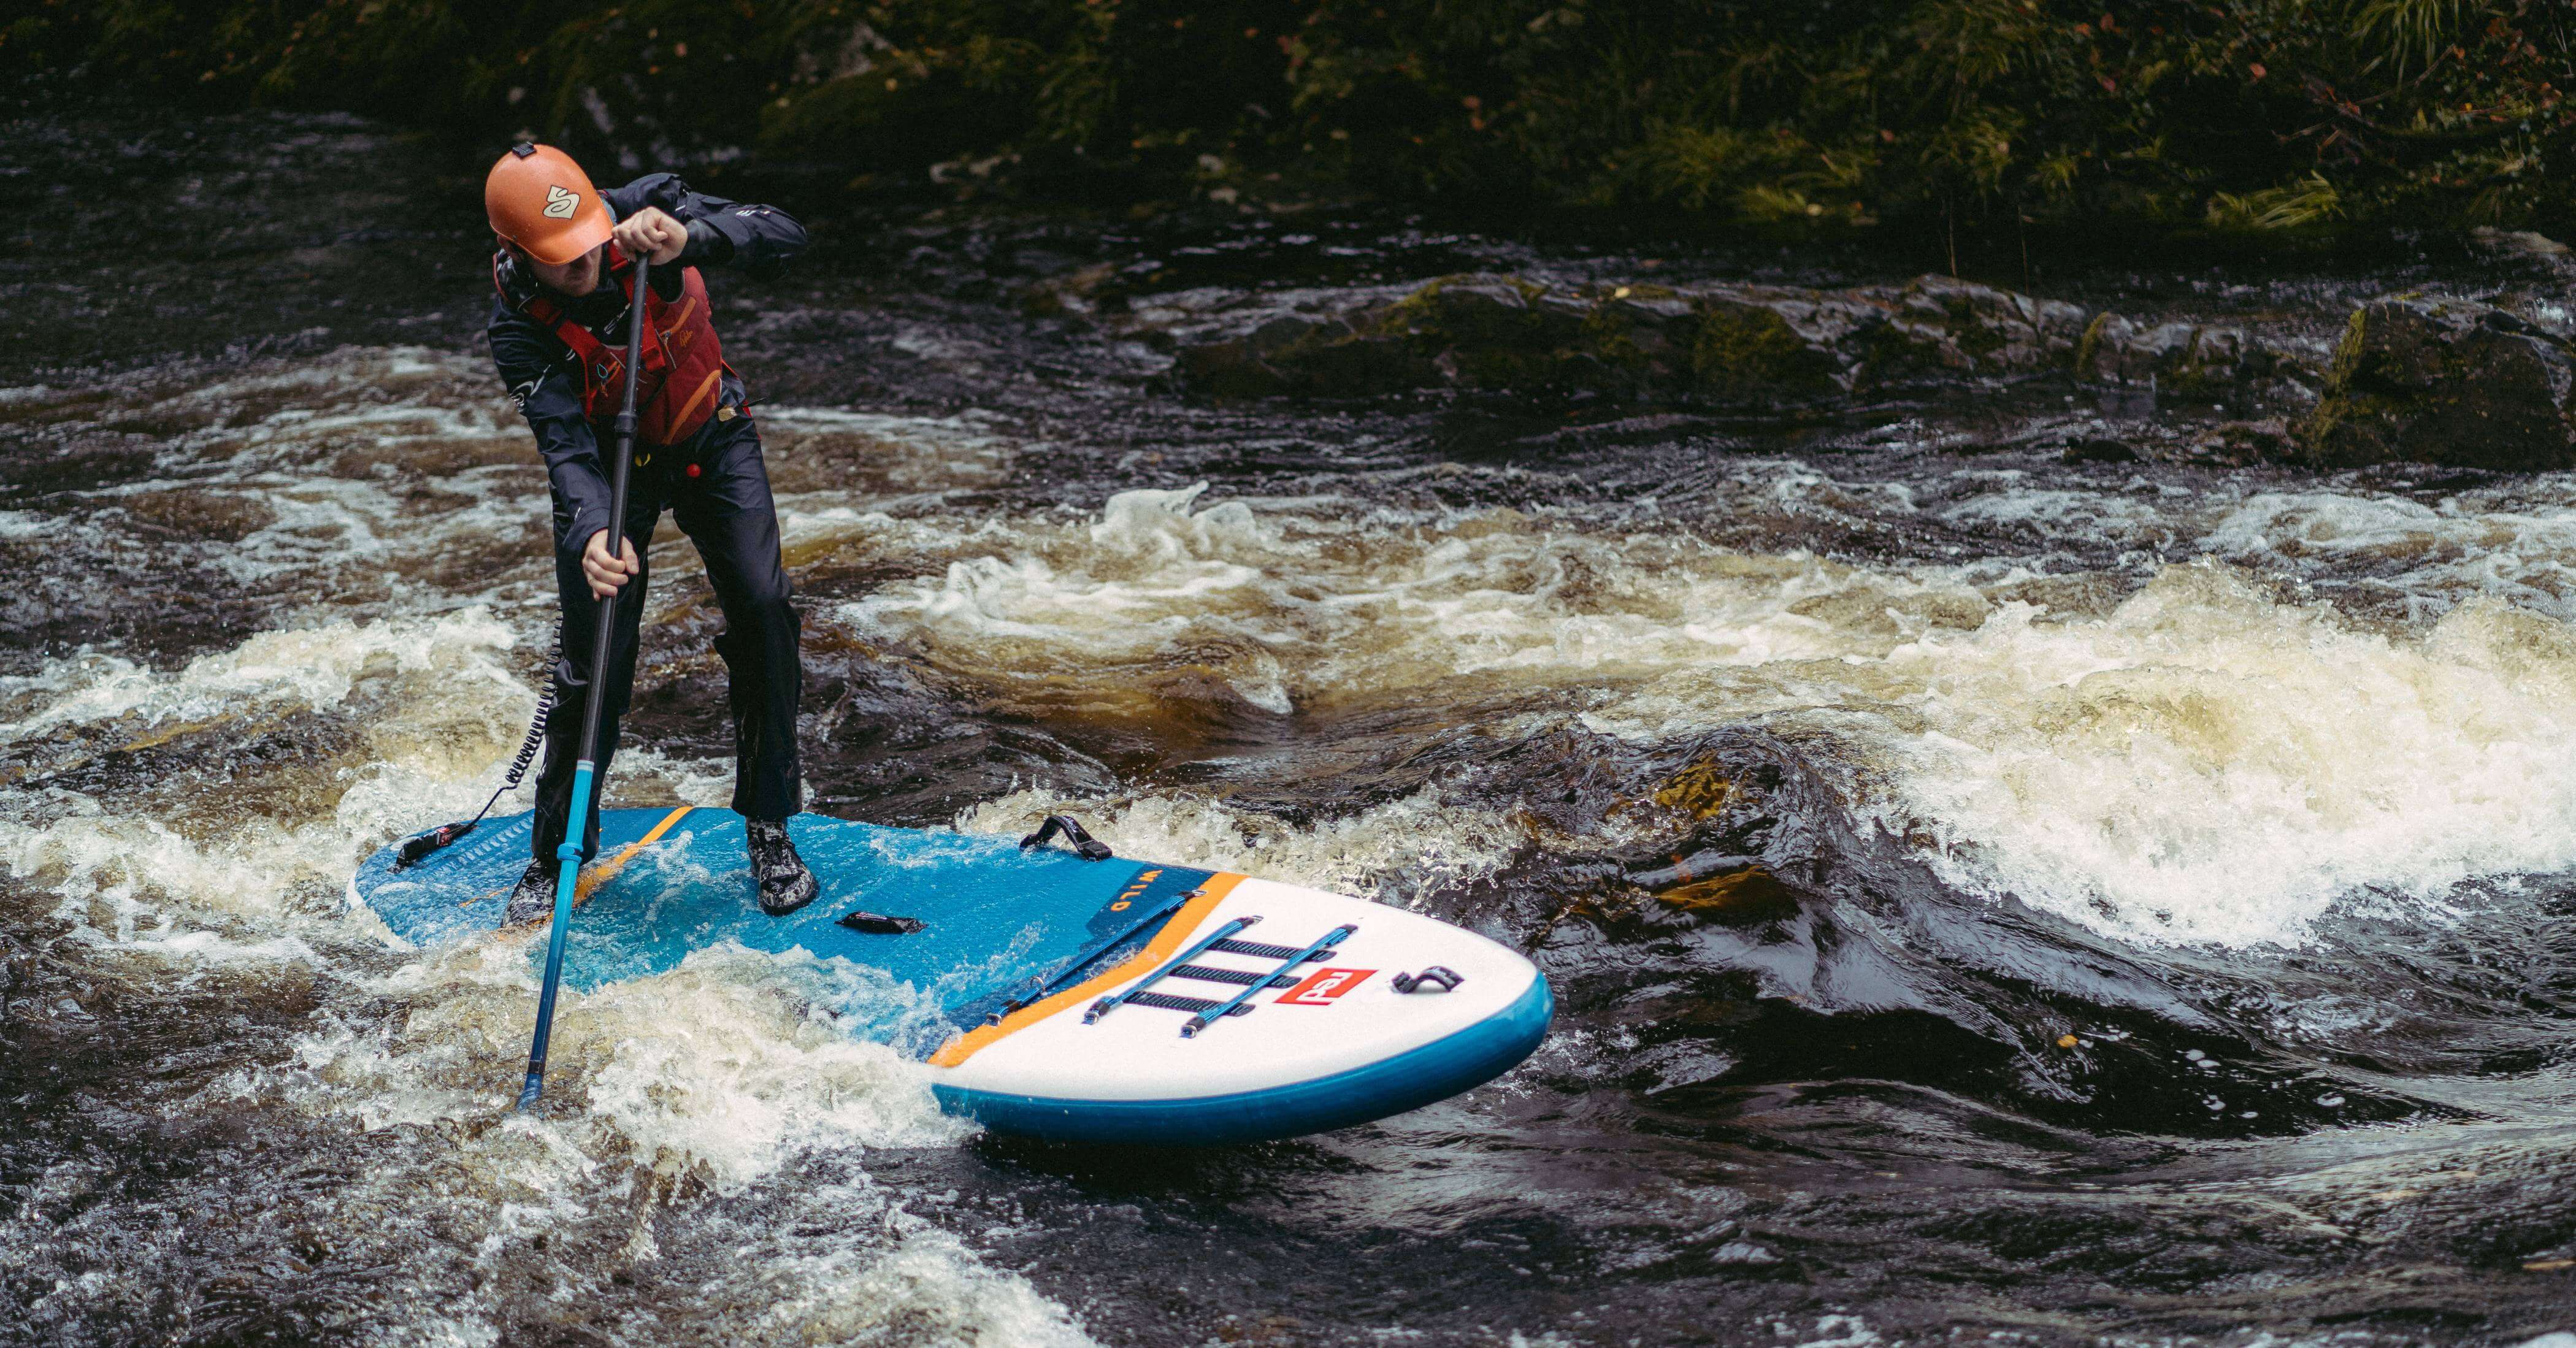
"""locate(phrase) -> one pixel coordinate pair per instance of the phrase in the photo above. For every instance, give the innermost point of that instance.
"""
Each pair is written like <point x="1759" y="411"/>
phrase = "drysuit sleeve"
<point x="757" y="239"/>
<point x="534" y="369"/>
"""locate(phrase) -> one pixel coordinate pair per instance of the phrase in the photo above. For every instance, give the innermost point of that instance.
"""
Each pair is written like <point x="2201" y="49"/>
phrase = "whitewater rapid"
<point x="2201" y="752"/>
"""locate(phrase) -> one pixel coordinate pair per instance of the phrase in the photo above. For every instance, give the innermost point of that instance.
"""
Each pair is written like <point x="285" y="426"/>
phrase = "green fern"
<point x="2414" y="31"/>
<point x="2309" y="201"/>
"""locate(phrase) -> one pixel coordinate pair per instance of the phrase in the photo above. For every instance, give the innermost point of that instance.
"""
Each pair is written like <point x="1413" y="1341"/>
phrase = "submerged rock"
<point x="2446" y="381"/>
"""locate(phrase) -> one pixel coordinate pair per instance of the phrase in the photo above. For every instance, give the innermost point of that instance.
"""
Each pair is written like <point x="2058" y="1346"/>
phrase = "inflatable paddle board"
<point x="1052" y="992"/>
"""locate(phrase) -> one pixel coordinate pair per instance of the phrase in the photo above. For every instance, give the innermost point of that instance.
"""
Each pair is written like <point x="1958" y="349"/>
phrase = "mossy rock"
<point x="1505" y="332"/>
<point x="1353" y="366"/>
<point x="2452" y="382"/>
<point x="1330" y="357"/>
<point x="1973" y="335"/>
<point x="1645" y="335"/>
<point x="1232" y="370"/>
<point x="1476" y="310"/>
<point x="1746" y="353"/>
<point x="2088" y="348"/>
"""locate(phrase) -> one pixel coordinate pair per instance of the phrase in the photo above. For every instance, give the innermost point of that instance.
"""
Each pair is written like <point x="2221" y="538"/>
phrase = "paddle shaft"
<point x="577" y="819"/>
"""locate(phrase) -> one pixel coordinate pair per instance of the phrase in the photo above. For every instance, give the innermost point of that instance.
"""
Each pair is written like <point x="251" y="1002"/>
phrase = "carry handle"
<point x="1437" y="978"/>
<point x="1084" y="845"/>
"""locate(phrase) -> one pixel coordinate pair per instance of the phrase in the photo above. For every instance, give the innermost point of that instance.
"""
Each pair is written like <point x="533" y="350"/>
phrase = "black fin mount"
<point x="1436" y="978"/>
<point x="1084" y="845"/>
<point x="879" y="924"/>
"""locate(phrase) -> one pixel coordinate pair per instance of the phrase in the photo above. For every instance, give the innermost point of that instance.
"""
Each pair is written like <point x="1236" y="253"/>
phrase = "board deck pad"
<point x="670" y="881"/>
<point x="1006" y="990"/>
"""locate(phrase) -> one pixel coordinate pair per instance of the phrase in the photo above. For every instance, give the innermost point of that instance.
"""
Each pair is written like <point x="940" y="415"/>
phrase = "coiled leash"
<point x="415" y="849"/>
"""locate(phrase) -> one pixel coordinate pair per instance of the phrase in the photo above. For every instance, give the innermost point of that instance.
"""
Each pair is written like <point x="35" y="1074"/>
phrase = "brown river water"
<point x="2173" y="930"/>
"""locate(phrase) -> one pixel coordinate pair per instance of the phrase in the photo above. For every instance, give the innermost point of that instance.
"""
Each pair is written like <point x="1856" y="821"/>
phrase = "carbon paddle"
<point x="577" y="821"/>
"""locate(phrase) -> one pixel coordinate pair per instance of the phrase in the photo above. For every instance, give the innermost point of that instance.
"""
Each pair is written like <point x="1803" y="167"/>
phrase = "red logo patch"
<point x="1323" y="985"/>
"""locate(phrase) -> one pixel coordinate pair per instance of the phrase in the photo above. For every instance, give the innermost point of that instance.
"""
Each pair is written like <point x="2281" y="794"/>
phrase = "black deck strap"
<point x="1438" y="977"/>
<point x="878" y="924"/>
<point x="1136" y="990"/>
<point x="1242" y="1001"/>
<point x="1266" y="952"/>
<point x="1241" y="978"/>
<point x="1084" y="845"/>
<point x="1174" y="1002"/>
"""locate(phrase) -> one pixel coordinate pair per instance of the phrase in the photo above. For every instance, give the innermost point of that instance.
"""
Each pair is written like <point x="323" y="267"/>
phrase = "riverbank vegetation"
<point x="2253" y="117"/>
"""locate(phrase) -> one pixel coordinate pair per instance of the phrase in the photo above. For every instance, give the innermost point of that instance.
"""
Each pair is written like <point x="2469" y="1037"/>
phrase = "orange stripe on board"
<point x="1165" y="944"/>
<point x="607" y="870"/>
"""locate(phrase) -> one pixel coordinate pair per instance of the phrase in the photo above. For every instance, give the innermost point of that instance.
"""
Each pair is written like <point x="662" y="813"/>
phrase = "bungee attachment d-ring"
<point x="1436" y="978"/>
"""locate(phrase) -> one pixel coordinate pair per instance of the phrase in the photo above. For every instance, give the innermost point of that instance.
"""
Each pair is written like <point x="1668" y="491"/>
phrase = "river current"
<point x="2165" y="929"/>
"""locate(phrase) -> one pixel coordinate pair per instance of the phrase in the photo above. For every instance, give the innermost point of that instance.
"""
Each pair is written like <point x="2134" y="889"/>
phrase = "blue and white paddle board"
<point x="1101" y="1001"/>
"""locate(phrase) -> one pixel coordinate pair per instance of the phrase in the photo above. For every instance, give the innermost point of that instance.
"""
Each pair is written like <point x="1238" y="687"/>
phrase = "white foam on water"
<point x="2205" y="762"/>
<point x="314" y="667"/>
<point x="1392" y="852"/>
<point x="176" y="866"/>
<point x="725" y="1068"/>
<point x="2520" y="549"/>
<point x="2117" y="517"/>
<point x="2208" y="762"/>
<point x="747" y="1063"/>
<point x="338" y="478"/>
<point x="1342" y="606"/>
<point x="731" y="1072"/>
<point x="396" y="489"/>
<point x="929" y="1290"/>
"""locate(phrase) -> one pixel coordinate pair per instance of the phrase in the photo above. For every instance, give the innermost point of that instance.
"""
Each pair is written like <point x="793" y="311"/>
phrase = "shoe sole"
<point x="813" y="892"/>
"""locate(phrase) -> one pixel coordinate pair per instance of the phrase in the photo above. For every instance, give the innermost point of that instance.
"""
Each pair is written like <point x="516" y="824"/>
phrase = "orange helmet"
<point x="540" y="200"/>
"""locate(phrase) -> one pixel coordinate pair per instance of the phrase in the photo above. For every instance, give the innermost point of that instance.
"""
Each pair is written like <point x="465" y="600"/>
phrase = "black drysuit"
<point x="724" y="508"/>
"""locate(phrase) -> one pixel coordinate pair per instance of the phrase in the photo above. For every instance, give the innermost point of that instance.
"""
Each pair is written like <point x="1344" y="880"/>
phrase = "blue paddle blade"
<point x="567" y="879"/>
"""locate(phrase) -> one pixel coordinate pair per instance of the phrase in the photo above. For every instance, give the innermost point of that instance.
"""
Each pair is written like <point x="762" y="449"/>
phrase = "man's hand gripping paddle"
<point x="577" y="821"/>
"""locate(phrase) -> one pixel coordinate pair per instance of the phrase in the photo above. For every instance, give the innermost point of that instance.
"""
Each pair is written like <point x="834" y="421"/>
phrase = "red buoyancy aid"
<point x="683" y="362"/>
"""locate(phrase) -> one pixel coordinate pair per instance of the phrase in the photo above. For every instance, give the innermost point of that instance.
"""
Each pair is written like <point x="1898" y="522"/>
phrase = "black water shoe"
<point x="785" y="884"/>
<point x="533" y="899"/>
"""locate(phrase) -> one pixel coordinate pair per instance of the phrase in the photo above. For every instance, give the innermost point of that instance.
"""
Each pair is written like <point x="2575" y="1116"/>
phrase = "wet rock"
<point x="1736" y="344"/>
<point x="1965" y="328"/>
<point x="2099" y="449"/>
<point x="1489" y="331"/>
<point x="1230" y="370"/>
<point x="2190" y="358"/>
<point x="1085" y="291"/>
<point x="2537" y="252"/>
<point x="2236" y="444"/>
<point x="2446" y="381"/>
<point x="1755" y="347"/>
<point x="1720" y="343"/>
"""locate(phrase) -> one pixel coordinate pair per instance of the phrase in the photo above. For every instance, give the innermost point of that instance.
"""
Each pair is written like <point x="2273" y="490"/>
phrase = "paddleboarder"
<point x="564" y="277"/>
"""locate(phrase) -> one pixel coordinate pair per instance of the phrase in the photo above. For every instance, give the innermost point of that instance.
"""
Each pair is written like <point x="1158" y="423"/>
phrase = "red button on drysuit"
<point x="693" y="470"/>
